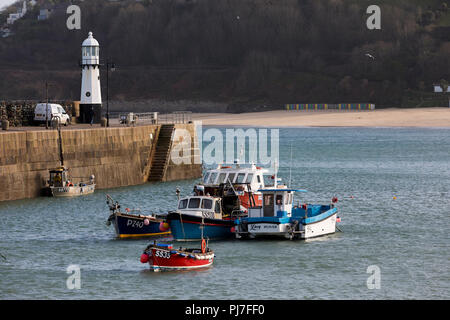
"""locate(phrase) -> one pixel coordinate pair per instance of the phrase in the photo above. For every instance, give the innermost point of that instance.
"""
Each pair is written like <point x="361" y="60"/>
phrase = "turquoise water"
<point x="406" y="237"/>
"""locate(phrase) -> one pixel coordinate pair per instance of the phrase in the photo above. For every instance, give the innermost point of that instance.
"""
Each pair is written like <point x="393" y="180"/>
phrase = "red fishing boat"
<point x="163" y="257"/>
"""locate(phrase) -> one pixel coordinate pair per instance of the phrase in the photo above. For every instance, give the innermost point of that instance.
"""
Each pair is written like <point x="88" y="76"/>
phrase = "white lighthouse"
<point x="91" y="95"/>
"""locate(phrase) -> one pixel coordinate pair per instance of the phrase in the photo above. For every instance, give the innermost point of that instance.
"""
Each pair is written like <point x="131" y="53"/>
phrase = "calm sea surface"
<point x="394" y="192"/>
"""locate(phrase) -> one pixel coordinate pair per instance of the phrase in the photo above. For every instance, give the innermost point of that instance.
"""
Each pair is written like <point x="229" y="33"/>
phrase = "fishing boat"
<point x="278" y="217"/>
<point x="163" y="257"/>
<point x="132" y="223"/>
<point x="199" y="215"/>
<point x="61" y="185"/>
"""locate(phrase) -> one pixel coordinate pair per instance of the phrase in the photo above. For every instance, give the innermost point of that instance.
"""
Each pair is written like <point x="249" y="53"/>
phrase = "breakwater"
<point x="116" y="156"/>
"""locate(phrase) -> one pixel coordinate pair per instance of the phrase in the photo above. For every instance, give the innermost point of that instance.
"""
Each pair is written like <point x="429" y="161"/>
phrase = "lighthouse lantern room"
<point x="91" y="96"/>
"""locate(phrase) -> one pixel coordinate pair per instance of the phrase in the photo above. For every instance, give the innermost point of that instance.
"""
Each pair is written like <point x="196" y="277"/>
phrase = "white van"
<point x="54" y="110"/>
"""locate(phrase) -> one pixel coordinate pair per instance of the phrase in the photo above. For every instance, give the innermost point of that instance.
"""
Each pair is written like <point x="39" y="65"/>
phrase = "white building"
<point x="13" y="17"/>
<point x="438" y="88"/>
<point x="91" y="95"/>
<point x="44" y="14"/>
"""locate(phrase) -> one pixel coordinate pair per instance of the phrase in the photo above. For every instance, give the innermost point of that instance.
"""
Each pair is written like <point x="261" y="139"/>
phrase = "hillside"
<point x="244" y="53"/>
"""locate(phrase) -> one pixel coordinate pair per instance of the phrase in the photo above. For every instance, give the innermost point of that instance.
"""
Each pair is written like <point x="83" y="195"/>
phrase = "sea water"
<point x="393" y="186"/>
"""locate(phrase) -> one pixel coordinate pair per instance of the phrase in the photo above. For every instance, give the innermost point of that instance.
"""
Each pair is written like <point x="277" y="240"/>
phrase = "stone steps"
<point x="162" y="153"/>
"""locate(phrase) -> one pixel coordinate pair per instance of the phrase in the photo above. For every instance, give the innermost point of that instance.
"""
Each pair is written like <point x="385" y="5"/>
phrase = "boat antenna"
<point x="290" y="168"/>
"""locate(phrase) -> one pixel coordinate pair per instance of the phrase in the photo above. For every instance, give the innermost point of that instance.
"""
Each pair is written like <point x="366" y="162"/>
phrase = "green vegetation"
<point x="243" y="52"/>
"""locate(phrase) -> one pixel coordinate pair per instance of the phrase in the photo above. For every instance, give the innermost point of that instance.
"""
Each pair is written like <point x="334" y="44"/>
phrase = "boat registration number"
<point x="162" y="254"/>
<point x="135" y="223"/>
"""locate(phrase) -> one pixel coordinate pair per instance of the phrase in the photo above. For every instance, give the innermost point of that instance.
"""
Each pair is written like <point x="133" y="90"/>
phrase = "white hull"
<point x="321" y="228"/>
<point x="311" y="230"/>
<point x="72" y="191"/>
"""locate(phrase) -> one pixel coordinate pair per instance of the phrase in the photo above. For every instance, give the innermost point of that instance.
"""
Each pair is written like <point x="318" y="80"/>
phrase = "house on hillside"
<point x="438" y="88"/>
<point x="44" y="14"/>
<point x="13" y="17"/>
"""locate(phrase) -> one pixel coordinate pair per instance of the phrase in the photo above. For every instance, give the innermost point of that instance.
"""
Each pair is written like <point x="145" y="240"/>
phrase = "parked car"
<point x="53" y="111"/>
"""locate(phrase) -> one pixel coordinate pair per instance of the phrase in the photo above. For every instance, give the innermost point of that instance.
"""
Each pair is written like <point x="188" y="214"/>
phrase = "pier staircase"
<point x="161" y="157"/>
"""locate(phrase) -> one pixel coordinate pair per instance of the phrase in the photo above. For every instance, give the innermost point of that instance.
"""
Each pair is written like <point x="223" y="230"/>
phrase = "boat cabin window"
<point x="212" y="177"/>
<point x="183" y="204"/>
<point x="217" y="207"/>
<point x="206" y="177"/>
<point x="279" y="199"/>
<point x="240" y="178"/>
<point x="207" y="204"/>
<point x="222" y="178"/>
<point x="288" y="198"/>
<point x="268" y="205"/>
<point x="259" y="178"/>
<point x="250" y="178"/>
<point x="194" y="203"/>
<point x="232" y="176"/>
<point x="268" y="199"/>
<point x="268" y="181"/>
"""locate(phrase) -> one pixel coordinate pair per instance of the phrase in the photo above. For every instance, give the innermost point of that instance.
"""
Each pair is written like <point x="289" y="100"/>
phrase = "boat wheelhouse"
<point x="237" y="185"/>
<point x="277" y="216"/>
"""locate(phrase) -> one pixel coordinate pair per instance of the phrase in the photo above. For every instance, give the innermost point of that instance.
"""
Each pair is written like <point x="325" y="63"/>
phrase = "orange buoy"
<point x="203" y="246"/>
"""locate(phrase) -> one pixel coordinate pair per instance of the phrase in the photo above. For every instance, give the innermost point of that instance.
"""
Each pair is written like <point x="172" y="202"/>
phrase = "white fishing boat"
<point x="61" y="185"/>
<point x="278" y="217"/>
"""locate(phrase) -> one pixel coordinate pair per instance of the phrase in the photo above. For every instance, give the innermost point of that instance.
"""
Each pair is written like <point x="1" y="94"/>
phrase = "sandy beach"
<point x="420" y="117"/>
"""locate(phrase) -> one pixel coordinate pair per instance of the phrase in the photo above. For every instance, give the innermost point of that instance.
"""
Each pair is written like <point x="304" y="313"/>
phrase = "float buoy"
<point x="164" y="226"/>
<point x="146" y="221"/>
<point x="203" y="246"/>
<point x="144" y="258"/>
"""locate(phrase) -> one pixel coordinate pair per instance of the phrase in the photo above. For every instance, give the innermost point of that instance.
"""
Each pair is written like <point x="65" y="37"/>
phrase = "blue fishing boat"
<point x="133" y="224"/>
<point x="199" y="216"/>
<point x="278" y="217"/>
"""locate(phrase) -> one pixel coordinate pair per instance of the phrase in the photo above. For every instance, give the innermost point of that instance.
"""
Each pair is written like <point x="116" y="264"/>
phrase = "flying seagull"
<point x="370" y="56"/>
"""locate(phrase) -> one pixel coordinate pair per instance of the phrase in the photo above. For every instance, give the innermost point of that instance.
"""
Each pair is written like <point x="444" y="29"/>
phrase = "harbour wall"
<point x="115" y="156"/>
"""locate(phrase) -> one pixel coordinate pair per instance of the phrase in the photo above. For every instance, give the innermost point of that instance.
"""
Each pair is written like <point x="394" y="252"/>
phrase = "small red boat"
<point x="162" y="257"/>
